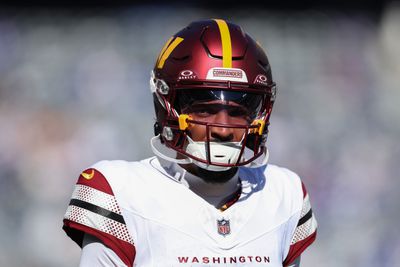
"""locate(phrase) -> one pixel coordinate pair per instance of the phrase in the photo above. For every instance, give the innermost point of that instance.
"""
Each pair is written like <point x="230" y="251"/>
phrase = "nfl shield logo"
<point x="224" y="227"/>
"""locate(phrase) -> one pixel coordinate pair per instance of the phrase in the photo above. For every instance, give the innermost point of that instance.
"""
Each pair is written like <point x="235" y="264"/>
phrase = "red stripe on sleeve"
<point x="93" y="178"/>
<point x="296" y="249"/>
<point x="304" y="190"/>
<point x="125" y="251"/>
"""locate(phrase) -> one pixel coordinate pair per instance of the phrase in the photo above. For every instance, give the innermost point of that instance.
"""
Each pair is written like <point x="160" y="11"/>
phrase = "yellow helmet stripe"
<point x="163" y="49"/>
<point x="168" y="51"/>
<point x="226" y="43"/>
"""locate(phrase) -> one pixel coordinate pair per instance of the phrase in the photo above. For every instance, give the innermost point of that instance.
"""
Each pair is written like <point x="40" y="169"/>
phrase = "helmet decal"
<point x="164" y="48"/>
<point x="228" y="74"/>
<point x="187" y="74"/>
<point x="226" y="43"/>
<point x="167" y="50"/>
<point x="261" y="79"/>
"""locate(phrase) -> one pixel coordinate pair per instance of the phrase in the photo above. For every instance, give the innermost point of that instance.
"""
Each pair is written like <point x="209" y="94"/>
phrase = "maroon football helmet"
<point x="212" y="60"/>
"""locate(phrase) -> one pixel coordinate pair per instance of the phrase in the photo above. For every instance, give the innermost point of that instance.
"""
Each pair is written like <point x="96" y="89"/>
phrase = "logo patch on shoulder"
<point x="88" y="176"/>
<point x="224" y="227"/>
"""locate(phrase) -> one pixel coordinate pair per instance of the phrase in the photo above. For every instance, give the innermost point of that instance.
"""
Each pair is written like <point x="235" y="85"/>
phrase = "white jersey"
<point x="148" y="218"/>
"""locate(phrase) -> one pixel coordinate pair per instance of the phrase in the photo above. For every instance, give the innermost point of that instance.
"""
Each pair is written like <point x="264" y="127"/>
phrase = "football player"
<point x="208" y="196"/>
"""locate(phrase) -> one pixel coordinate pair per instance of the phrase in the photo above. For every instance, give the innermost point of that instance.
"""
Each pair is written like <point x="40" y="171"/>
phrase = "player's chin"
<point x="216" y="177"/>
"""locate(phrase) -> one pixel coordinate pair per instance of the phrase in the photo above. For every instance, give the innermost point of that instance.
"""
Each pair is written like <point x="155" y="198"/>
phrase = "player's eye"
<point x="204" y="110"/>
<point x="238" y="112"/>
<point x="202" y="113"/>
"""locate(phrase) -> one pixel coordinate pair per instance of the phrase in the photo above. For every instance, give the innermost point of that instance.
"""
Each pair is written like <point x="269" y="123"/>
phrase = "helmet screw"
<point x="168" y="134"/>
<point x="162" y="87"/>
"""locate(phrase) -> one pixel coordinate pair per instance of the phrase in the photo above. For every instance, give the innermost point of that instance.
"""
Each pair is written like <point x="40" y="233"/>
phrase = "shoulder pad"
<point x="94" y="210"/>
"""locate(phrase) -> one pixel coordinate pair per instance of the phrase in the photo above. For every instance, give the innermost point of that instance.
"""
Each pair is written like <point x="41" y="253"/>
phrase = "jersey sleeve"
<point x="305" y="231"/>
<point x="94" y="210"/>
<point x="95" y="253"/>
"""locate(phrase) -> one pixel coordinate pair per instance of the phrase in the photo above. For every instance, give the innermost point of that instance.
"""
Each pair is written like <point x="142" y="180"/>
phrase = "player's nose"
<point x="222" y="134"/>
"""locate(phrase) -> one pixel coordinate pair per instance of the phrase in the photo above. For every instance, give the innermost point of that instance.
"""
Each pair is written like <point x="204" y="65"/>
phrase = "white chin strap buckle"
<point x="220" y="152"/>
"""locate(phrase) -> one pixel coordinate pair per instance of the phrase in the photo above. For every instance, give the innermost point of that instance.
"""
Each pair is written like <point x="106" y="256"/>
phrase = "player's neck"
<point x="214" y="193"/>
<point x="207" y="188"/>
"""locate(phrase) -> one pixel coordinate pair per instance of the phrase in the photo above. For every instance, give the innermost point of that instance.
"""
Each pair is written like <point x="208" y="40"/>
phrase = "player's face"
<point x="221" y="112"/>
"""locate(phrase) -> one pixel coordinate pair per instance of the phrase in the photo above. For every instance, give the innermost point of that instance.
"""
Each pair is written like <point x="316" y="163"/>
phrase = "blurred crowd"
<point x="74" y="90"/>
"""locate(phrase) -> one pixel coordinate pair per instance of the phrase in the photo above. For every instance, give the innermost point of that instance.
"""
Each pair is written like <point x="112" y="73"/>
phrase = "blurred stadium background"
<point x="74" y="90"/>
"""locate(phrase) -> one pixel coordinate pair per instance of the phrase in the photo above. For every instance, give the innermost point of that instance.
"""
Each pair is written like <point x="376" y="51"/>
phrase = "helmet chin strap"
<point x="169" y="154"/>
